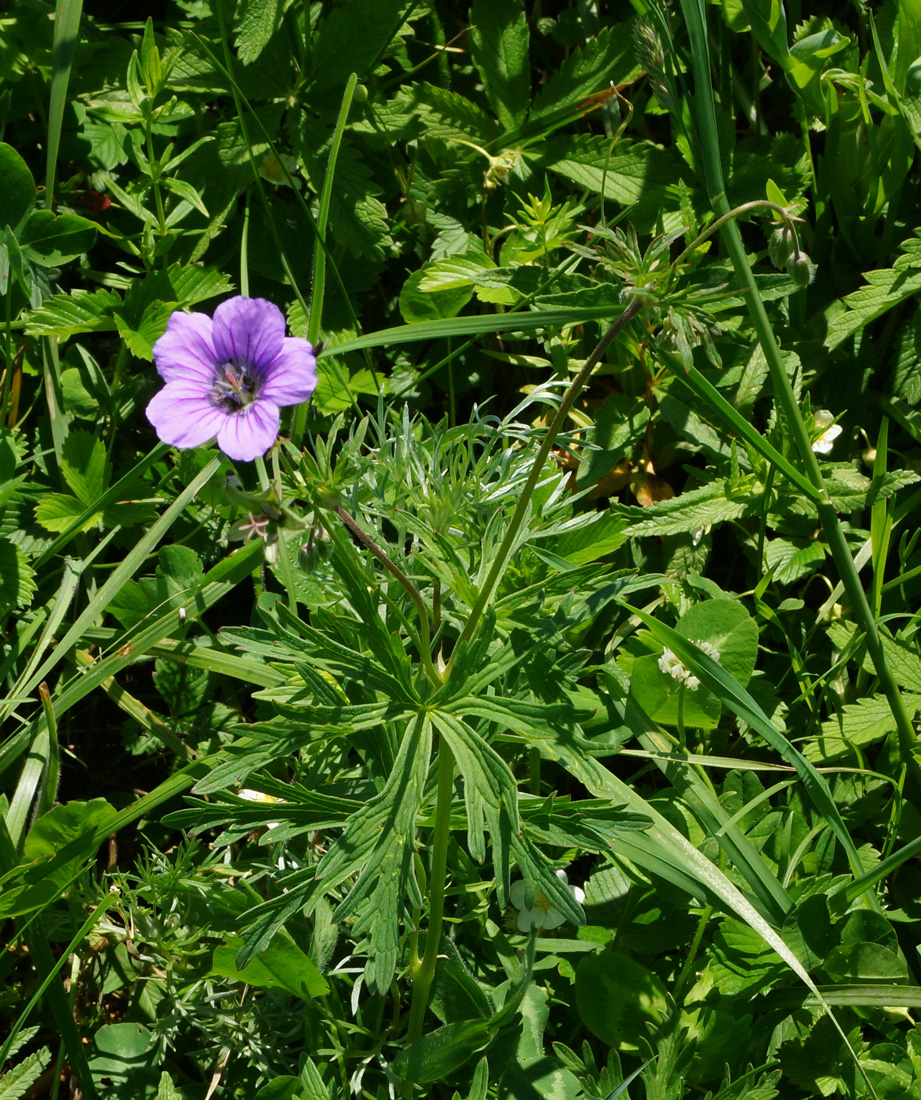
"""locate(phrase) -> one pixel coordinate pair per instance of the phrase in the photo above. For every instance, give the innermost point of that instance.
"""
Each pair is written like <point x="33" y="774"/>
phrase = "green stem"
<point x="518" y="517"/>
<point x="785" y="397"/>
<point x="422" y="978"/>
<point x="432" y="674"/>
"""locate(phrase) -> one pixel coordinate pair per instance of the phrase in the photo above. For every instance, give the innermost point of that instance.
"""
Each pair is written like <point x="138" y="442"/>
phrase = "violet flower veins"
<point x="228" y="377"/>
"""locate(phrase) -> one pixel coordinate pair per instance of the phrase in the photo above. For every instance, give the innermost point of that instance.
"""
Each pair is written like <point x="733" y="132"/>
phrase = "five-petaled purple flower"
<point x="228" y="377"/>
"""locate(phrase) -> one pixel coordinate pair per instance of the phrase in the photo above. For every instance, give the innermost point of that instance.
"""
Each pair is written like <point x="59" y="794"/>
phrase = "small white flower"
<point x="542" y="915"/>
<point x="830" y="432"/>
<point x="258" y="796"/>
<point x="671" y="666"/>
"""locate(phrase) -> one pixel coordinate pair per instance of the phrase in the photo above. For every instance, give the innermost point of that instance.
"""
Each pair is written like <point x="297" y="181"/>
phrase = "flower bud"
<point x="780" y="247"/>
<point x="801" y="269"/>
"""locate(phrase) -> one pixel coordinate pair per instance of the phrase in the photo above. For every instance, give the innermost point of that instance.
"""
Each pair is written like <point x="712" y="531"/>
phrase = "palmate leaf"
<point x="377" y="844"/>
<point x="490" y="794"/>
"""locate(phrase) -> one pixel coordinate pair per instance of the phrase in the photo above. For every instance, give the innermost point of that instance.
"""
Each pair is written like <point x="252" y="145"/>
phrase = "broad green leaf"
<point x="17" y="187"/>
<point x="619" y="999"/>
<point x="669" y="702"/>
<point x="530" y="1071"/>
<point x="282" y="965"/>
<point x="431" y="305"/>
<point x="619" y="424"/>
<point x="284" y="1088"/>
<point x="55" y="848"/>
<point x="869" y="963"/>
<point x="499" y="48"/>
<point x="588" y="537"/>
<point x="728" y="627"/>
<point x="53" y="239"/>
<point x="121" y="1056"/>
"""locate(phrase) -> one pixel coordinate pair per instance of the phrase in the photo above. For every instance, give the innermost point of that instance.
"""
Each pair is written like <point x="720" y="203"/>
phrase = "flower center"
<point x="235" y="386"/>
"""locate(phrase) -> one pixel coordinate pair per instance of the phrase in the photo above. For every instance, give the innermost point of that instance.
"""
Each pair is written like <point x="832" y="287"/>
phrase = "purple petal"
<point x="249" y="433"/>
<point x="248" y="330"/>
<point x="183" y="415"/>
<point x="185" y="348"/>
<point x="292" y="376"/>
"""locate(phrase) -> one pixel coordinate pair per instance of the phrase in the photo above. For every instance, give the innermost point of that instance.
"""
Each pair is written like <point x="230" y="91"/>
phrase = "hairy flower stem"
<point x="425" y="972"/>
<point x="786" y="399"/>
<point x="556" y="426"/>
<point x="731" y="215"/>
<point x="425" y="647"/>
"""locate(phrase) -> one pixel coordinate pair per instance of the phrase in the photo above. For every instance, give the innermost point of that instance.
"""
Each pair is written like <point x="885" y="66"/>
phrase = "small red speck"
<point x="91" y="200"/>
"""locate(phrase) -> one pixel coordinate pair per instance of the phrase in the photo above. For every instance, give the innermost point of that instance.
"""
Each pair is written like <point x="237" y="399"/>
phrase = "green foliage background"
<point x="240" y="781"/>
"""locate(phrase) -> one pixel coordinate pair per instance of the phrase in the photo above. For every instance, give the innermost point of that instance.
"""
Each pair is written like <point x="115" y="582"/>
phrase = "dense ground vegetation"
<point x="534" y="718"/>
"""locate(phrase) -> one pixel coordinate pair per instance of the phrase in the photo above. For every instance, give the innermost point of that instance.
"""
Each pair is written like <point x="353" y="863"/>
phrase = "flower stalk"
<point x="424" y="973"/>
<point x="425" y="647"/>
<point x="518" y="516"/>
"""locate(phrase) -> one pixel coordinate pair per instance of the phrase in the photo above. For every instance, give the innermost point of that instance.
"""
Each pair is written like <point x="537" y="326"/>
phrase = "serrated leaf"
<point x="66" y="314"/>
<point x="352" y="38"/>
<point x="57" y="511"/>
<point x="855" y="726"/>
<point x="18" y="1081"/>
<point x="254" y="23"/>
<point x="606" y="58"/>
<point x="886" y="288"/>
<point x="454" y="272"/>
<point x="499" y="42"/>
<point x="85" y="467"/>
<point x="17" y="585"/>
<point x="626" y="175"/>
<point x="793" y="559"/>
<point x="445" y="115"/>
<point x="717" y="502"/>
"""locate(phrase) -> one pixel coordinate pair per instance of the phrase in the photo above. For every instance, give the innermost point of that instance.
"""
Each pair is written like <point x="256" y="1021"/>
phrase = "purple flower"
<point x="228" y="377"/>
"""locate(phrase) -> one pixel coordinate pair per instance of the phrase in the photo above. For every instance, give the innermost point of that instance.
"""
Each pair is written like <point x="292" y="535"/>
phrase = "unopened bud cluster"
<point x="786" y="254"/>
